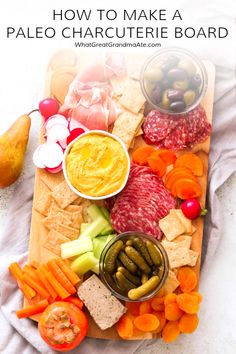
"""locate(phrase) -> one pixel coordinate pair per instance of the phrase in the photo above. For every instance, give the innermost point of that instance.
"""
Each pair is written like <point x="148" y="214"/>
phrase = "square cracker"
<point x="178" y="256"/>
<point x="63" y="195"/>
<point x="194" y="257"/>
<point x="74" y="208"/>
<point x="51" y="180"/>
<point x="43" y="203"/>
<point x="132" y="97"/>
<point x="185" y="221"/>
<point x="54" y="241"/>
<point x="171" y="226"/>
<point x="171" y="283"/>
<point x="76" y="219"/>
<point x="51" y="222"/>
<point x="185" y="240"/>
<point x="77" y="201"/>
<point x="126" y="126"/>
<point x="118" y="85"/>
<point x="67" y="231"/>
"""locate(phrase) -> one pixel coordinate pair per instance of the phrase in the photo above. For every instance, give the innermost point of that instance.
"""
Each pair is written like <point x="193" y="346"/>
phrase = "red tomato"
<point x="63" y="326"/>
<point x="76" y="301"/>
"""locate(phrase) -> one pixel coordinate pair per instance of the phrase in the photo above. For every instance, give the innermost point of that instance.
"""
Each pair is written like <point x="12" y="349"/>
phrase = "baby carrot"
<point x="36" y="286"/>
<point x="69" y="273"/>
<point x="32" y="309"/>
<point x="60" y="276"/>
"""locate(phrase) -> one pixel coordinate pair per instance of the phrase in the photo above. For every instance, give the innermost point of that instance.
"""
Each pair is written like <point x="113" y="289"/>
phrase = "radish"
<point x="55" y="169"/>
<point x="57" y="133"/>
<point x="63" y="143"/>
<point x="74" y="134"/>
<point x="191" y="208"/>
<point x="50" y="155"/>
<point x="36" y="157"/>
<point x="54" y="120"/>
<point x="48" y="107"/>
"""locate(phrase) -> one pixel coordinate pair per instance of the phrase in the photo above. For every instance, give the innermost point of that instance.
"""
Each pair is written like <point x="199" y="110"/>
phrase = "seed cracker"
<point x="51" y="222"/>
<point x="178" y="256"/>
<point x="132" y="97"/>
<point x="184" y="240"/>
<point x="67" y="231"/>
<point x="171" y="226"/>
<point x="118" y="86"/>
<point x="51" y="180"/>
<point x="54" y="241"/>
<point x="185" y="221"/>
<point x="194" y="257"/>
<point x="43" y="203"/>
<point x="63" y="195"/>
<point x="171" y="283"/>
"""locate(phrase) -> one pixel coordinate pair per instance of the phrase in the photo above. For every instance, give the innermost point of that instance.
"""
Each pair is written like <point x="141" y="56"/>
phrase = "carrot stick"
<point x="35" y="264"/>
<point x="69" y="273"/>
<point x="32" y="309"/>
<point x="17" y="274"/>
<point x="60" y="276"/>
<point x="62" y="293"/>
<point x="31" y="272"/>
<point x="36" y="286"/>
<point x="46" y="283"/>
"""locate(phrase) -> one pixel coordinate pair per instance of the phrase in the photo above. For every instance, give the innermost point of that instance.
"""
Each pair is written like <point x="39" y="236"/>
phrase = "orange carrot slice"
<point x="186" y="188"/>
<point x="167" y="156"/>
<point x="141" y="154"/>
<point x="157" y="165"/>
<point x="191" y="161"/>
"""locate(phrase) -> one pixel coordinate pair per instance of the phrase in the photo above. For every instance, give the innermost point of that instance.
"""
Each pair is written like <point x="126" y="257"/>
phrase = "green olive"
<point x="188" y="66"/>
<point x="165" y="100"/>
<point x="189" y="97"/>
<point x="154" y="75"/>
<point x="180" y="85"/>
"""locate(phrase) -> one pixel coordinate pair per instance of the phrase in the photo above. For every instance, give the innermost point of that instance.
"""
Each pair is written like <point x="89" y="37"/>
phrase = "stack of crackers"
<point x="129" y="97"/>
<point x="178" y="231"/>
<point x="61" y="209"/>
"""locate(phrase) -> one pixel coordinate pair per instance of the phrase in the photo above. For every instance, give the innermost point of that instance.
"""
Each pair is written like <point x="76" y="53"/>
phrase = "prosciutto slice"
<point x="88" y="100"/>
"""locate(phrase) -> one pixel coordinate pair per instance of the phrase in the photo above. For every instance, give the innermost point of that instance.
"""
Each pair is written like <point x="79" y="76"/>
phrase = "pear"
<point x="13" y="144"/>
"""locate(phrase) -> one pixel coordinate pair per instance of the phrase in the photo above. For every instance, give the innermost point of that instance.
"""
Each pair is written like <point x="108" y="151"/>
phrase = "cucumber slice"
<point x="84" y="263"/>
<point x="95" y="227"/>
<point x="95" y="212"/>
<point x="95" y="269"/>
<point x="99" y="243"/>
<point x="105" y="212"/>
<point x="76" y="247"/>
<point x="83" y="227"/>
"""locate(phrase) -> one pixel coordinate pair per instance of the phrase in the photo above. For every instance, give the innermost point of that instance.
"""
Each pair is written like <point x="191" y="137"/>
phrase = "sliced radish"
<point x="73" y="124"/>
<point x="55" y="169"/>
<point x="54" y="120"/>
<point x="74" y="134"/>
<point x="57" y="133"/>
<point x="36" y="157"/>
<point x="63" y="143"/>
<point x="51" y="155"/>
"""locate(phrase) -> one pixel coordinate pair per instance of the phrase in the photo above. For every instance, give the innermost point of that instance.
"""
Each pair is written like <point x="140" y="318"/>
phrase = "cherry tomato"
<point x="191" y="208"/>
<point x="63" y="326"/>
<point x="48" y="107"/>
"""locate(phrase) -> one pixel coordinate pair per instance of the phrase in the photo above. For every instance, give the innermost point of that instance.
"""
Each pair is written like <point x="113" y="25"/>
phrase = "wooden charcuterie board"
<point x="69" y="62"/>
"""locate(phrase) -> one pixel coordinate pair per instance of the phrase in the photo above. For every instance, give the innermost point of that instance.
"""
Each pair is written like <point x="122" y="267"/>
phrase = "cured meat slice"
<point x="142" y="203"/>
<point x="176" y="132"/>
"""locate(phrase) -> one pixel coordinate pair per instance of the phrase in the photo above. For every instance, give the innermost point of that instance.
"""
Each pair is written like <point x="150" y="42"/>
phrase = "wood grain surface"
<point x="38" y="232"/>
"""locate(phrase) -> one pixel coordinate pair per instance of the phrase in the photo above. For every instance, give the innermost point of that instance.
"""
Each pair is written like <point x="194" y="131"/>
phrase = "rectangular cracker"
<point x="126" y="126"/>
<point x="178" y="256"/>
<point x="63" y="195"/>
<point x="171" y="226"/>
<point x="184" y="240"/>
<point x="185" y="221"/>
<point x="132" y="97"/>
<point x="43" y="203"/>
<point x="118" y="86"/>
<point x="51" y="222"/>
<point x="76" y="219"/>
<point x="67" y="231"/>
<point x="194" y="257"/>
<point x="51" y="180"/>
<point x="54" y="241"/>
<point x="77" y="201"/>
<point x="171" y="283"/>
<point x="74" y="208"/>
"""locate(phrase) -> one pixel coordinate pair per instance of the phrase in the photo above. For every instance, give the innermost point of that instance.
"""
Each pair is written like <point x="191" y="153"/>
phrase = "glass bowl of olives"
<point x="174" y="81"/>
<point x="134" y="266"/>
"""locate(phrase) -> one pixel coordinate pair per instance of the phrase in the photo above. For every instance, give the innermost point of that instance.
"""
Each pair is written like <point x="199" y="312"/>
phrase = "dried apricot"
<point x="170" y="331"/>
<point x="157" y="304"/>
<point x="173" y="312"/>
<point x="145" y="307"/>
<point x="188" y="303"/>
<point x="188" y="323"/>
<point x="133" y="307"/>
<point x="162" y="319"/>
<point x="146" y="322"/>
<point x="170" y="298"/>
<point x="187" y="278"/>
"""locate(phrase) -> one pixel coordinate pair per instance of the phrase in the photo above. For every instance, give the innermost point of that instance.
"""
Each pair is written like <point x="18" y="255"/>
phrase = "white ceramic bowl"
<point x="100" y="132"/>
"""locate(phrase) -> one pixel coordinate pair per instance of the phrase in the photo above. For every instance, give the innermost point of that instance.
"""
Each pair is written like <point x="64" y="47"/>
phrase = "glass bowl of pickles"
<point x="174" y="81"/>
<point x="134" y="266"/>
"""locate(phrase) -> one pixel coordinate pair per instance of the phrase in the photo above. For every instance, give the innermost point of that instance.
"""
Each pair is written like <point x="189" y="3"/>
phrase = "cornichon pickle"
<point x="123" y="282"/>
<point x="127" y="262"/>
<point x="112" y="255"/>
<point x="154" y="253"/>
<point x="145" y="289"/>
<point x="144" y="278"/>
<point x="133" y="278"/>
<point x="136" y="257"/>
<point x="141" y="247"/>
<point x="129" y="243"/>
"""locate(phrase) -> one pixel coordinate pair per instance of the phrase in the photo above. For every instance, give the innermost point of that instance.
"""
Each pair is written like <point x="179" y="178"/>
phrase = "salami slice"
<point x="142" y="203"/>
<point x="176" y="132"/>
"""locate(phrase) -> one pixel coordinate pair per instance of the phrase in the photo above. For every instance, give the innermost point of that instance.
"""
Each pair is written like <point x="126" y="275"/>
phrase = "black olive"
<point x="177" y="106"/>
<point x="176" y="74"/>
<point x="175" y="95"/>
